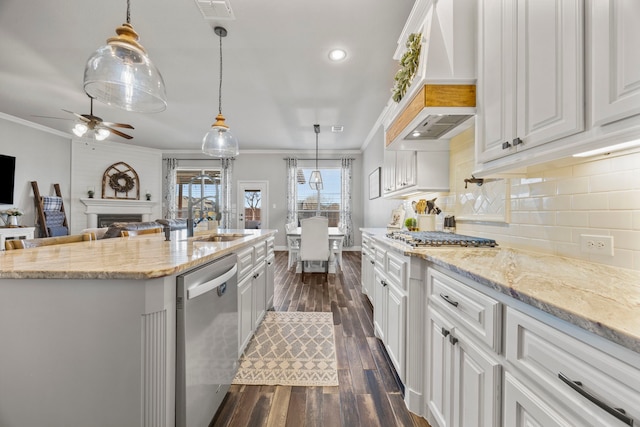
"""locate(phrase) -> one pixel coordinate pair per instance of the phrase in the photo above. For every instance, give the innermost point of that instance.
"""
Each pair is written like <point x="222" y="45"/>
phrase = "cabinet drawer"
<point x="589" y="381"/>
<point x="396" y="269"/>
<point x="270" y="245"/>
<point x="261" y="252"/>
<point x="380" y="254"/>
<point x="245" y="262"/>
<point x="473" y="310"/>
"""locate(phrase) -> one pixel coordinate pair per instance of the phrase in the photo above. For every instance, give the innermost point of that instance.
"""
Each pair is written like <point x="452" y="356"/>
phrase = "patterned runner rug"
<point x="291" y="348"/>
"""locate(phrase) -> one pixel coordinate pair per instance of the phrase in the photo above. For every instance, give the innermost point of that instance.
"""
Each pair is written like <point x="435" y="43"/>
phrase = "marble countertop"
<point x="599" y="298"/>
<point x="136" y="257"/>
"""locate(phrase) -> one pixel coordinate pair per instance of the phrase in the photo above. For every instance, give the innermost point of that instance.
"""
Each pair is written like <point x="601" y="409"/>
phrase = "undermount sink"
<point x="225" y="237"/>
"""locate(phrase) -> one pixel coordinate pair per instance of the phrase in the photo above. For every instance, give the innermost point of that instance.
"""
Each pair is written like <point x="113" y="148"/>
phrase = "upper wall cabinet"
<point x="530" y="74"/>
<point x="614" y="60"/>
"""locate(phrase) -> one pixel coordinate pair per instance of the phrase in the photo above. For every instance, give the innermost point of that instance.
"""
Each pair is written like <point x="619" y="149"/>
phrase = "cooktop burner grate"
<point x="439" y="238"/>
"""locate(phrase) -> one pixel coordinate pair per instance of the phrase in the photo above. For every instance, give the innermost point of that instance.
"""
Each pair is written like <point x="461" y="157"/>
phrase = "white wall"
<point x="41" y="156"/>
<point x="89" y="161"/>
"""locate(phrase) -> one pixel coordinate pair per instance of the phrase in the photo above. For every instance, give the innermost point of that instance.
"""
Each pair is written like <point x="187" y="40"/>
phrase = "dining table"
<point x="336" y="236"/>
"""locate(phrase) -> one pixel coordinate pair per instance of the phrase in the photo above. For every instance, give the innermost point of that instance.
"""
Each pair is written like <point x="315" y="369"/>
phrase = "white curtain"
<point x="346" y="204"/>
<point x="169" y="189"/>
<point x="292" y="182"/>
<point x="226" y="182"/>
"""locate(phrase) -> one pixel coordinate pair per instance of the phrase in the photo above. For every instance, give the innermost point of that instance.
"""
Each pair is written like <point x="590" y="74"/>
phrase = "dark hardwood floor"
<point x="368" y="394"/>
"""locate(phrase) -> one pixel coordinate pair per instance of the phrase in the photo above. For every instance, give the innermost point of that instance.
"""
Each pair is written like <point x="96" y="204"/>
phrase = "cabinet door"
<point x="523" y="408"/>
<point x="367" y="273"/>
<point x="496" y="120"/>
<point x="396" y="328"/>
<point x="389" y="172"/>
<point x="259" y="294"/>
<point x="270" y="279"/>
<point x="550" y="70"/>
<point x="406" y="169"/>
<point x="245" y="307"/>
<point x="380" y="293"/>
<point x="477" y="385"/>
<point x="439" y="354"/>
<point x="615" y="64"/>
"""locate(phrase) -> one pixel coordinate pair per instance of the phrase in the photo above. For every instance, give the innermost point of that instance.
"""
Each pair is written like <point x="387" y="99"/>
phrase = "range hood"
<point x="441" y="101"/>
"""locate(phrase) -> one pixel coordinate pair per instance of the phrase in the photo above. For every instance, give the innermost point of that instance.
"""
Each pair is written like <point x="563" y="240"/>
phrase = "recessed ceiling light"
<point x="337" y="128"/>
<point x="337" y="55"/>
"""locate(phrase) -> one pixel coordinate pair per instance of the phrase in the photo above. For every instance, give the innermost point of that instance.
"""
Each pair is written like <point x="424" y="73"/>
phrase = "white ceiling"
<point x="277" y="79"/>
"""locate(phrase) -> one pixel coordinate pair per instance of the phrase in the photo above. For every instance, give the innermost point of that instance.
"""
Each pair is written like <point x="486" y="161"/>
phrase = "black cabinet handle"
<point x="517" y="141"/>
<point x="619" y="413"/>
<point x="505" y="145"/>
<point x="372" y="262"/>
<point x="445" y="332"/>
<point x="449" y="300"/>
<point x="453" y="340"/>
<point x="384" y="283"/>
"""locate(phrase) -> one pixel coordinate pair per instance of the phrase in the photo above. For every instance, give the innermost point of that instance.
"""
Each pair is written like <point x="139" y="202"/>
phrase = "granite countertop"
<point x="599" y="298"/>
<point x="136" y="257"/>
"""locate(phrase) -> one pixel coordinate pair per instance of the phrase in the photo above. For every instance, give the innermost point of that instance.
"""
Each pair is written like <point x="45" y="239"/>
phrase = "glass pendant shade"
<point x="315" y="181"/>
<point x="122" y="75"/>
<point x="80" y="129"/>
<point x="101" y="134"/>
<point x="219" y="141"/>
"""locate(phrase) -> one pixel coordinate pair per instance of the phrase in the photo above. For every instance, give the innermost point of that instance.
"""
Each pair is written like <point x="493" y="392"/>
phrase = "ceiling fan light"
<point x="102" y="134"/>
<point x="80" y="129"/>
<point x="219" y="141"/>
<point x="121" y="74"/>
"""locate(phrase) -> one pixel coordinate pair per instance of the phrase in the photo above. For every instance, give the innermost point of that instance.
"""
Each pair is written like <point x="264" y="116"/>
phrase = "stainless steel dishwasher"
<point x="206" y="339"/>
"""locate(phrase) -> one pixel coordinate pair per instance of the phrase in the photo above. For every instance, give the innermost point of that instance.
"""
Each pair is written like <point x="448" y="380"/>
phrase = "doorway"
<point x="253" y="204"/>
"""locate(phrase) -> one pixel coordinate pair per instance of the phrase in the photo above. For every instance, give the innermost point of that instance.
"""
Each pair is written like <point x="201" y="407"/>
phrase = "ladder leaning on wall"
<point x="50" y="214"/>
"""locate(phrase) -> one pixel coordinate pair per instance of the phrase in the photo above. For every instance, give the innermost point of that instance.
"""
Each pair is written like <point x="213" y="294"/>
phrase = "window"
<point x="325" y="202"/>
<point x="205" y="194"/>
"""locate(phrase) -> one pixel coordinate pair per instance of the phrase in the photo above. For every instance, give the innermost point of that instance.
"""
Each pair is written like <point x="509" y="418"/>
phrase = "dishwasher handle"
<point x="205" y="287"/>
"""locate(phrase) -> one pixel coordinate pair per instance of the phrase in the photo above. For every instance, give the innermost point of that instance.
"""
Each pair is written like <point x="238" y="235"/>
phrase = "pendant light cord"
<point x="128" y="11"/>
<point x="316" y="151"/>
<point x="220" y="87"/>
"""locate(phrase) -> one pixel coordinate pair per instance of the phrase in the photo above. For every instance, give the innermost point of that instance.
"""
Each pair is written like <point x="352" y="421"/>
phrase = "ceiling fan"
<point x="90" y="125"/>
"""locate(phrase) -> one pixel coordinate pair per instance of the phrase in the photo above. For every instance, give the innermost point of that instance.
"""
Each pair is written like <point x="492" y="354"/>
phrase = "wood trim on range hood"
<point x="431" y="96"/>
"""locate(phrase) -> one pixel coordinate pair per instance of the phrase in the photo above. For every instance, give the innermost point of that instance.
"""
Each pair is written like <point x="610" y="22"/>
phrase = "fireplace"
<point x="117" y="210"/>
<point x="105" y="220"/>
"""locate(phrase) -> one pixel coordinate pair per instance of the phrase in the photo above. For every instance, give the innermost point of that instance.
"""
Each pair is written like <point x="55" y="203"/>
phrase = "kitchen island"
<point x="87" y="330"/>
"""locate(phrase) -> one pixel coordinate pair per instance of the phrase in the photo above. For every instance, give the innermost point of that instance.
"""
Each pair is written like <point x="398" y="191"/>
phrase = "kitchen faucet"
<point x="191" y="224"/>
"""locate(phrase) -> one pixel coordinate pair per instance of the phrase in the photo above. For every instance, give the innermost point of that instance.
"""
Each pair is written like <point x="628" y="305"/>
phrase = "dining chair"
<point x="127" y="233"/>
<point x="293" y="244"/>
<point x="314" y="242"/>
<point x="48" y="241"/>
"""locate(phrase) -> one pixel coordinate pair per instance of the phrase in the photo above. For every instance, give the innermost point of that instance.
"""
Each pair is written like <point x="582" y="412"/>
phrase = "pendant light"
<point x="122" y="75"/>
<point x="315" y="180"/>
<point x="219" y="141"/>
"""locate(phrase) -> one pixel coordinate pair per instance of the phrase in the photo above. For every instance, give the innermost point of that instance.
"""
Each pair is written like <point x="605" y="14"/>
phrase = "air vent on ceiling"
<point x="215" y="9"/>
<point x="337" y="128"/>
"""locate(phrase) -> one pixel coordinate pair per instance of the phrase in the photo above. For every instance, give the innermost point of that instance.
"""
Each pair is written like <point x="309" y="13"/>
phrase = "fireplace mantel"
<point x="116" y="206"/>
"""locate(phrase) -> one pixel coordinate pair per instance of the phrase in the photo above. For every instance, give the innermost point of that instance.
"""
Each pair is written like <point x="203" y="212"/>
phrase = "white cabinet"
<point x="414" y="171"/>
<point x="271" y="265"/>
<point x="570" y="377"/>
<point x="367" y="263"/>
<point x="530" y="75"/>
<point x="390" y="308"/>
<point x="255" y="288"/>
<point x="464" y="375"/>
<point x="614" y="42"/>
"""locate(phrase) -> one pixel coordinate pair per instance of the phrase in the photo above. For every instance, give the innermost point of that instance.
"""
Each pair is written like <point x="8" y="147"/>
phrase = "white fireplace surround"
<point x="116" y="206"/>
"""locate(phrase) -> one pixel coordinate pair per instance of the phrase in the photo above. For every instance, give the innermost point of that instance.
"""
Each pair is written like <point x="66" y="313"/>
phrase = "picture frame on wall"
<point x="374" y="184"/>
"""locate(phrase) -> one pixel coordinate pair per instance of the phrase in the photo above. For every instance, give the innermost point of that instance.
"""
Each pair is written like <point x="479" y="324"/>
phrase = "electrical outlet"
<point x="600" y="245"/>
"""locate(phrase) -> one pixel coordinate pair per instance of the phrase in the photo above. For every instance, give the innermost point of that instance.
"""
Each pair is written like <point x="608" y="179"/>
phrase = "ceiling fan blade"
<point x="80" y="116"/>
<point x="51" y="117"/>
<point x="117" y="132"/>
<point x="118" y="125"/>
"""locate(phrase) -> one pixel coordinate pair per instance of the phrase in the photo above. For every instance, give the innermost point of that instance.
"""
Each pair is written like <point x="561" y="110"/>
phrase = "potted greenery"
<point x="411" y="224"/>
<point x="12" y="216"/>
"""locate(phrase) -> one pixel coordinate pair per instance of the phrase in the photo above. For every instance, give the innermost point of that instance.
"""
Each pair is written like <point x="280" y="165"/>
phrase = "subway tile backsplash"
<point x="553" y="205"/>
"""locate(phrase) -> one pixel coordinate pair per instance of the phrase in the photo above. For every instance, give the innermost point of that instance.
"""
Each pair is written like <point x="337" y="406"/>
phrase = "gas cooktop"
<point x="439" y="238"/>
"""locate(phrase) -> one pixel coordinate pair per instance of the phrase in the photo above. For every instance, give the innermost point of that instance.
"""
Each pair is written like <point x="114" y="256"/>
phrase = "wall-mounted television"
<point x="7" y="178"/>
